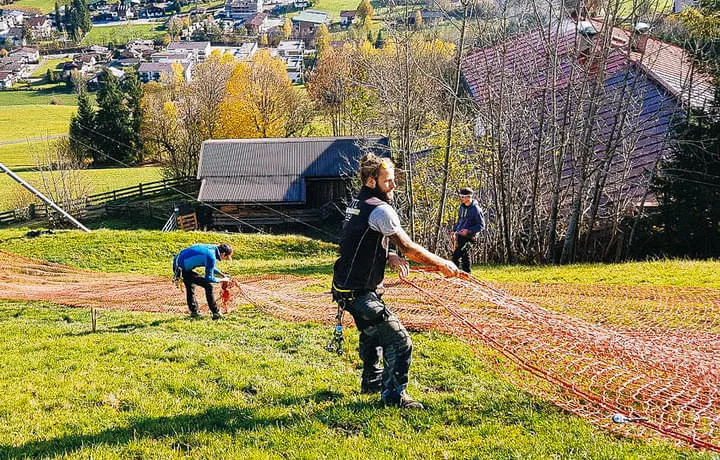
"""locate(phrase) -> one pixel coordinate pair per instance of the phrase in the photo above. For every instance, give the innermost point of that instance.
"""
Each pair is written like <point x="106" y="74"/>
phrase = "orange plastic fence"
<point x="646" y="354"/>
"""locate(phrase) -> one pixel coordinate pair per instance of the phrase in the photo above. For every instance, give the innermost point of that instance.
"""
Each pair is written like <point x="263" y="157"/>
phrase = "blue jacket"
<point x="470" y="218"/>
<point x="199" y="255"/>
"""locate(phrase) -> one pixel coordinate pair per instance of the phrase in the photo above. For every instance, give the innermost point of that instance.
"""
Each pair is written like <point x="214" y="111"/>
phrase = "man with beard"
<point x="357" y="281"/>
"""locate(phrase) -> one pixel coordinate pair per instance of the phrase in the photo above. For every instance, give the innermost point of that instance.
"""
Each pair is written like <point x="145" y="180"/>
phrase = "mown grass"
<point x="162" y="386"/>
<point x="97" y="180"/>
<point x="53" y="64"/>
<point x="22" y="98"/>
<point x="149" y="252"/>
<point x="122" y="33"/>
<point x="20" y="122"/>
<point x="46" y="6"/>
<point x="20" y="155"/>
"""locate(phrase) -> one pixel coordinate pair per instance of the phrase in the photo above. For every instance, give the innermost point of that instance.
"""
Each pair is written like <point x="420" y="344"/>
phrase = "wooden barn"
<point x="280" y="180"/>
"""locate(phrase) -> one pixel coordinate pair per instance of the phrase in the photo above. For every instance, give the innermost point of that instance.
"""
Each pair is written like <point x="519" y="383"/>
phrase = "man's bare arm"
<point x="419" y="254"/>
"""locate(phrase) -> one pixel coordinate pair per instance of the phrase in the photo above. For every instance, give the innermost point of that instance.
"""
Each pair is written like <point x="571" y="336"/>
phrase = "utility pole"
<point x="44" y="198"/>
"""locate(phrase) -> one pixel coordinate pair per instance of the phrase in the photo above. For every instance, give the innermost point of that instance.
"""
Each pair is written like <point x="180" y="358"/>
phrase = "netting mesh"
<point x="650" y="353"/>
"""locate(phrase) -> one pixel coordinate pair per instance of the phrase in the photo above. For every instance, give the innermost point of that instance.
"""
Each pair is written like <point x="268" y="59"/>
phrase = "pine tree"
<point x="133" y="95"/>
<point x="379" y="41"/>
<point x="82" y="127"/>
<point x="113" y="124"/>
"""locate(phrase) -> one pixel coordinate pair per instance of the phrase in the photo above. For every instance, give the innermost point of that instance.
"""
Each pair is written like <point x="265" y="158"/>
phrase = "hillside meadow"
<point x="151" y="385"/>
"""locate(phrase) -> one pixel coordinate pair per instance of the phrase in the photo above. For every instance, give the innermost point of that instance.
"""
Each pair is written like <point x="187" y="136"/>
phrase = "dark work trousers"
<point x="462" y="253"/>
<point x="191" y="278"/>
<point x="381" y="330"/>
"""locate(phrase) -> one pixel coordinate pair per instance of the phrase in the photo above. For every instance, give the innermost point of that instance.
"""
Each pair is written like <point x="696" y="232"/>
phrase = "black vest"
<point x="362" y="256"/>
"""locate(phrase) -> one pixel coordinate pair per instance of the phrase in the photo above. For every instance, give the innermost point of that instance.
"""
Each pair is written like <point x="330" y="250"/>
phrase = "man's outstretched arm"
<point x="419" y="254"/>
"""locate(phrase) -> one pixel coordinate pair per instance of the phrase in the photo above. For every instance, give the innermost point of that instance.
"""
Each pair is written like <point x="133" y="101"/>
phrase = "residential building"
<point x="156" y="71"/>
<point x="40" y="27"/>
<point x="306" y="23"/>
<point x="241" y="9"/>
<point x="29" y="55"/>
<point x="291" y="48"/>
<point x="199" y="50"/>
<point x="347" y="17"/>
<point x="7" y="79"/>
<point x="255" y="23"/>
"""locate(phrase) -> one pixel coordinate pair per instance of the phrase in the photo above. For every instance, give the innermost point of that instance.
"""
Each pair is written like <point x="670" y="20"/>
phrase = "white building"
<point x="199" y="50"/>
<point x="240" y="9"/>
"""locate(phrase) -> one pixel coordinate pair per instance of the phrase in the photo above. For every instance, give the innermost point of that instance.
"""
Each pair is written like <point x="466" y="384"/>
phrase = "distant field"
<point x="13" y="195"/>
<point x="122" y="33"/>
<point x="21" y="122"/>
<point x="52" y="64"/>
<point x="45" y="6"/>
<point x="20" y="156"/>
<point x="335" y="6"/>
<point x="36" y="98"/>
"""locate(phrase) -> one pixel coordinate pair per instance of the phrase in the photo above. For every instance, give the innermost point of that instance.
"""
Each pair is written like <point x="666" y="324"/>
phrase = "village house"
<point x="291" y="48"/>
<point x="167" y="56"/>
<point x="281" y="180"/>
<point x="199" y="50"/>
<point x="157" y="71"/>
<point x="241" y="9"/>
<point x="645" y="86"/>
<point x="347" y="17"/>
<point x="29" y="55"/>
<point x="306" y="23"/>
<point x="40" y="27"/>
<point x="255" y="24"/>
<point x="7" y="79"/>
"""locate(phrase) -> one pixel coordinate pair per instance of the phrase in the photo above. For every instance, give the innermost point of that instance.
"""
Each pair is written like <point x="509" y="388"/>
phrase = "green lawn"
<point x="98" y="180"/>
<point x="59" y="94"/>
<point x="21" y="122"/>
<point x="335" y="6"/>
<point x="20" y="155"/>
<point x="162" y="386"/>
<point x="122" y="33"/>
<point x="53" y="64"/>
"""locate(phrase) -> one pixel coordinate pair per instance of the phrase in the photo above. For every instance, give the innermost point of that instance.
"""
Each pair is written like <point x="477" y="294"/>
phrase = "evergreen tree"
<point x="379" y="41"/>
<point x="113" y="124"/>
<point x="58" y="18"/>
<point x="82" y="127"/>
<point x="133" y="95"/>
<point x="688" y="185"/>
<point x="79" y="21"/>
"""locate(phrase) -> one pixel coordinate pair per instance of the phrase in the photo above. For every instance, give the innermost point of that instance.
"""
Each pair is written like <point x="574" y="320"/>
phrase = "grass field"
<point x="21" y="122"/>
<point x="13" y="194"/>
<point x="52" y="64"/>
<point x="122" y="33"/>
<point x="59" y="94"/>
<point x="162" y="386"/>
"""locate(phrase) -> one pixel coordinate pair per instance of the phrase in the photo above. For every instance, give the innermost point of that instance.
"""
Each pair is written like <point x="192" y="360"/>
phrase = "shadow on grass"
<point x="214" y="420"/>
<point x="122" y="328"/>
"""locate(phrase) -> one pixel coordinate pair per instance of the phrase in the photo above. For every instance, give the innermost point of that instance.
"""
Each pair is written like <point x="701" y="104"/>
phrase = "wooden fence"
<point x="95" y="204"/>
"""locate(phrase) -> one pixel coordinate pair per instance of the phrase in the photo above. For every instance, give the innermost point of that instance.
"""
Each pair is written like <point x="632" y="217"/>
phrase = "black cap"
<point x="466" y="191"/>
<point x="225" y="249"/>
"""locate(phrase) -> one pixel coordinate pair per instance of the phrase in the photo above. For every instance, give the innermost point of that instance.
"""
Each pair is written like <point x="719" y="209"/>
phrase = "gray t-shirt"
<point x="385" y="220"/>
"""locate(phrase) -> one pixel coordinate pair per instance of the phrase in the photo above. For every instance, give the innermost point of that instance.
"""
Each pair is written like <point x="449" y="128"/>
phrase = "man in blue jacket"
<point x="470" y="221"/>
<point x="201" y="255"/>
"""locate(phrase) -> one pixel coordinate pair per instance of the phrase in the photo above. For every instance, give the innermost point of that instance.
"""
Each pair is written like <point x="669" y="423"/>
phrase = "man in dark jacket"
<point x="470" y="221"/>
<point x="358" y="273"/>
<point x="201" y="255"/>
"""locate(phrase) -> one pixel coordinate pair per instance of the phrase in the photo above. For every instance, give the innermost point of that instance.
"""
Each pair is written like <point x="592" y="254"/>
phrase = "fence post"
<point x="31" y="210"/>
<point x="114" y="195"/>
<point x="140" y="189"/>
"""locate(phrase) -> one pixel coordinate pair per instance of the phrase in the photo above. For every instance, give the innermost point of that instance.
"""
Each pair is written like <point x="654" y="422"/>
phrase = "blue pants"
<point x="381" y="332"/>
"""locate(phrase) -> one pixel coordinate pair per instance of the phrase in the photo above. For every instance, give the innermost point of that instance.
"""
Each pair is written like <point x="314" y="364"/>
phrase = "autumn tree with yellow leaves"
<point x="261" y="101"/>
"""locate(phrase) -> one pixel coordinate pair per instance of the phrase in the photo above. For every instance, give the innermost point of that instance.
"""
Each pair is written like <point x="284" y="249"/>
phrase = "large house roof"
<point x="312" y="16"/>
<point x="187" y="45"/>
<point x="641" y="94"/>
<point x="275" y="170"/>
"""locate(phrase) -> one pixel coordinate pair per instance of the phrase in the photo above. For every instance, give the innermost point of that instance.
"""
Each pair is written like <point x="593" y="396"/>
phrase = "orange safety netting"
<point x="651" y="354"/>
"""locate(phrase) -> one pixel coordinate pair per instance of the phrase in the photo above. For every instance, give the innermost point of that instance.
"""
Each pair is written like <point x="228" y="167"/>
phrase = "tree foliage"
<point x="364" y="12"/>
<point x="261" y="101"/>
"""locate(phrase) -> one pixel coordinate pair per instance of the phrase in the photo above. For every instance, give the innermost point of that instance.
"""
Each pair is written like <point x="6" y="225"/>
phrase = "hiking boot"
<point x="194" y="315"/>
<point x="370" y="388"/>
<point x="403" y="401"/>
<point x="216" y="316"/>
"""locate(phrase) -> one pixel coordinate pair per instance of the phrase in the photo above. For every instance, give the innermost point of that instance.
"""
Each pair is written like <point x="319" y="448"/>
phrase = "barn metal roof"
<point x="273" y="170"/>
